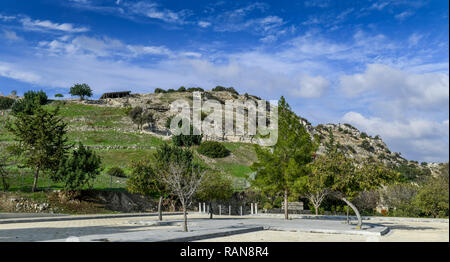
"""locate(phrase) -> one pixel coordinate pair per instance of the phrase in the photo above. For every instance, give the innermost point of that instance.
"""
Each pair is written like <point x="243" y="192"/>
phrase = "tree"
<point x="30" y="102"/>
<point x="5" y="163"/>
<point x="144" y="180"/>
<point x="349" y="178"/>
<point x="279" y="167"/>
<point x="213" y="149"/>
<point x="140" y="117"/>
<point x="182" y="175"/>
<point x="41" y="140"/>
<point x="6" y="102"/>
<point x="77" y="170"/>
<point x="81" y="90"/>
<point x="215" y="187"/>
<point x="315" y="186"/>
<point x="185" y="140"/>
<point x="433" y="198"/>
<point x="59" y="95"/>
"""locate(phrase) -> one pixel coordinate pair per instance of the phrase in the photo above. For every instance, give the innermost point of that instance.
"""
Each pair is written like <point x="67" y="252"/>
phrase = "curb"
<point x="327" y="217"/>
<point x="215" y="235"/>
<point x="66" y="218"/>
<point x="382" y="232"/>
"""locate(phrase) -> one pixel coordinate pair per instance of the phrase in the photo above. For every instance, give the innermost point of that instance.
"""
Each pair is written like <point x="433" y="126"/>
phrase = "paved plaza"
<point x="146" y="227"/>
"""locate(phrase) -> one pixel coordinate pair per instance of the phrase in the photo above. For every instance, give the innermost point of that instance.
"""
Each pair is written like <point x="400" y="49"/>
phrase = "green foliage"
<point x="81" y="90"/>
<point x="433" y="198"/>
<point x="6" y="102"/>
<point x="41" y="137"/>
<point x="366" y="145"/>
<point x="59" y="95"/>
<point x="279" y="167"/>
<point x="141" y="117"/>
<point x="227" y="89"/>
<point x="195" y="89"/>
<point x="215" y="187"/>
<point x="181" y="89"/>
<point x="187" y="140"/>
<point x="160" y="91"/>
<point x="30" y="102"/>
<point x="363" y="135"/>
<point x="411" y="172"/>
<point x="79" y="169"/>
<point x="144" y="180"/>
<point x="116" y="171"/>
<point x="213" y="149"/>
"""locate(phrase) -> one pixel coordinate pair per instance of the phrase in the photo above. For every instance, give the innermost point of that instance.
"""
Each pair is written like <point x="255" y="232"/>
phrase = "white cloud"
<point x="7" y="18"/>
<point x="11" y="35"/>
<point x="99" y="47"/>
<point x="204" y="24"/>
<point x="312" y="87"/>
<point x="152" y="10"/>
<point x="419" y="138"/>
<point x="403" y="15"/>
<point x="420" y="90"/>
<point x="11" y="71"/>
<point x="39" y="25"/>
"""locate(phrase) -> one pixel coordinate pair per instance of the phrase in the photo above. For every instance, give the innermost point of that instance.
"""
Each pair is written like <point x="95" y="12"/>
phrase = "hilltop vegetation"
<point x="108" y="128"/>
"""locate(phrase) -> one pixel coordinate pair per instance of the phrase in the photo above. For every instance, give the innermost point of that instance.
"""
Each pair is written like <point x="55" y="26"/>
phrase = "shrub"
<point x="213" y="149"/>
<point x="116" y="171"/>
<point x="193" y="89"/>
<point x="171" y="90"/>
<point x="181" y="89"/>
<point x="79" y="169"/>
<point x="59" y="95"/>
<point x="29" y="103"/>
<point x="229" y="89"/>
<point x="6" y="102"/>
<point x="160" y="90"/>
<point x="363" y="135"/>
<point x="366" y="145"/>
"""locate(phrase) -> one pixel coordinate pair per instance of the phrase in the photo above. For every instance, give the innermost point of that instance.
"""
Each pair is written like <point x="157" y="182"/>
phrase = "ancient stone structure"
<point x="115" y="94"/>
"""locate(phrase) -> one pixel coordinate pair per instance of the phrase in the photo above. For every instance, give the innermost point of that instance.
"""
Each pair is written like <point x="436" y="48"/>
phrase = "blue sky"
<point x="381" y="65"/>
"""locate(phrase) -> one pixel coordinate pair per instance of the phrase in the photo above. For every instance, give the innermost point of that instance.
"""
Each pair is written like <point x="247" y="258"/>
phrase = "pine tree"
<point x="41" y="140"/>
<point x="279" y="167"/>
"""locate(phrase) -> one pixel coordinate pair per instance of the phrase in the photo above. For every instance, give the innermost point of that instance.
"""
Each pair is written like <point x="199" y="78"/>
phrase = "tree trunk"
<point x="210" y="211"/>
<point x="159" y="208"/>
<point x="185" y="227"/>
<point x="358" y="226"/>
<point x="36" y="176"/>
<point x="316" y="208"/>
<point x="286" y="214"/>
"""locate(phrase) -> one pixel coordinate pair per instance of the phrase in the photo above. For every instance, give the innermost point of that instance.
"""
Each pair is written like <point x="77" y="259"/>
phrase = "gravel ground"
<point x="50" y="230"/>
<point x="399" y="232"/>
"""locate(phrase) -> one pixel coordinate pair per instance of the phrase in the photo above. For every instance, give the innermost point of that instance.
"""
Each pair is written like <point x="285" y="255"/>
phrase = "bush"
<point x="79" y="169"/>
<point x="29" y="103"/>
<point x="59" y="95"/>
<point x="213" y="149"/>
<point x="363" y="135"/>
<point x="181" y="89"/>
<point x="6" y="102"/>
<point x="229" y="89"/>
<point x="116" y="171"/>
<point x="194" y="89"/>
<point x="160" y="90"/>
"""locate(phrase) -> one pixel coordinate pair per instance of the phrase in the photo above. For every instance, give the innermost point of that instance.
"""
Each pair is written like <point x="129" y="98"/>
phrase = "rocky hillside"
<point x="356" y="144"/>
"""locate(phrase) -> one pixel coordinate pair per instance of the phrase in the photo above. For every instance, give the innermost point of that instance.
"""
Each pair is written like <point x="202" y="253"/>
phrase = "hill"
<point x="104" y="125"/>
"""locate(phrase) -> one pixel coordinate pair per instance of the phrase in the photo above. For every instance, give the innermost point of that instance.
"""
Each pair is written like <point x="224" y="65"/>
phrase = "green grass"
<point x="114" y="138"/>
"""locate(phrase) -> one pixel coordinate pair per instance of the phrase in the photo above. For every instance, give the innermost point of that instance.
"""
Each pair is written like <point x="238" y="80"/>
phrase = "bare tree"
<point x="316" y="198"/>
<point x="183" y="182"/>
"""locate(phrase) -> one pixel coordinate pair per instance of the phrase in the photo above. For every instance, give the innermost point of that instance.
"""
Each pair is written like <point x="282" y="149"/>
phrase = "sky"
<point x="380" y="65"/>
